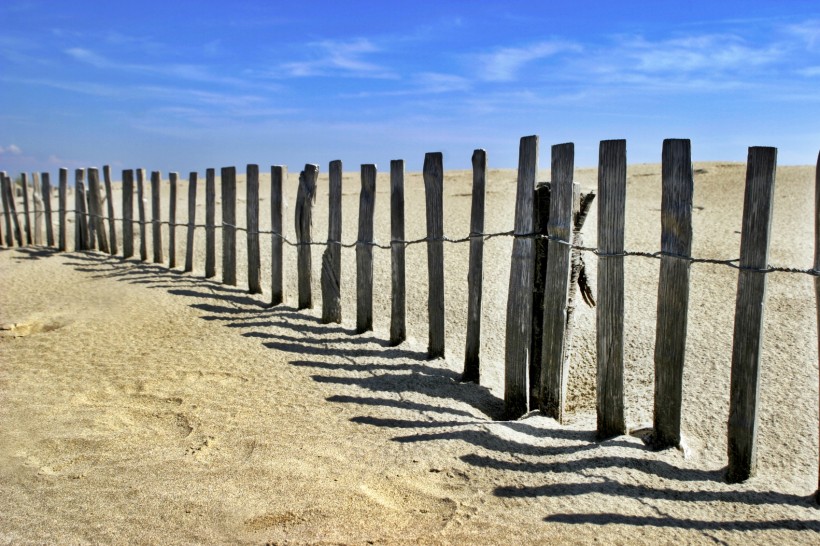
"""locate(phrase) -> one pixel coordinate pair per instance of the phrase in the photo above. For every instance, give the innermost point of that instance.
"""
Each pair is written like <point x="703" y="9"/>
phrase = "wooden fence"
<point x="543" y="274"/>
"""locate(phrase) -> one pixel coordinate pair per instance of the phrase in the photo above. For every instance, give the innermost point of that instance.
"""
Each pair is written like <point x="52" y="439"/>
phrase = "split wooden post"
<point x="228" y="183"/>
<point x="63" y="203"/>
<point x="26" y="219"/>
<point x="37" y="202"/>
<point x="609" y="316"/>
<point x="751" y="293"/>
<point x="364" y="251"/>
<point x="95" y="214"/>
<point x="673" y="290"/>
<point x="475" y="273"/>
<point x="127" y="213"/>
<point x="210" y="223"/>
<point x="434" y="190"/>
<point x="398" y="324"/>
<point x="332" y="257"/>
<point x="305" y="197"/>
<point x="112" y="227"/>
<point x="189" y="242"/>
<point x="46" y="193"/>
<point x="80" y="217"/>
<point x="252" y="219"/>
<point x="817" y="279"/>
<point x="156" y="226"/>
<point x="10" y="191"/>
<point x="540" y="219"/>
<point x="172" y="220"/>
<point x="278" y="174"/>
<point x="141" y="211"/>
<point x="6" y="209"/>
<point x="519" y="302"/>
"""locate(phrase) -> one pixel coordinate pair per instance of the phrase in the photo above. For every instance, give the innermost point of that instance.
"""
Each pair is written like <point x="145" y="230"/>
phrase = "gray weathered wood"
<point x="127" y="213"/>
<point x="398" y="307"/>
<point x="94" y="210"/>
<point x="751" y="294"/>
<point x="10" y="199"/>
<point x="210" y="223"/>
<point x="475" y="272"/>
<point x="80" y="216"/>
<point x="332" y="257"/>
<point x="305" y="197"/>
<point x="364" y="251"/>
<point x="91" y="223"/>
<point x="26" y="218"/>
<point x="817" y="279"/>
<point x="63" y="202"/>
<point x="156" y="216"/>
<point x="46" y="193"/>
<point x="189" y="241"/>
<point x="610" y="313"/>
<point x="141" y="212"/>
<point x="228" y="183"/>
<point x="434" y="190"/>
<point x="109" y="196"/>
<point x="673" y="290"/>
<point x="172" y="220"/>
<point x="252" y="219"/>
<point x="540" y="219"/>
<point x="278" y="174"/>
<point x="37" y="202"/>
<point x="519" y="300"/>
<point x="6" y="210"/>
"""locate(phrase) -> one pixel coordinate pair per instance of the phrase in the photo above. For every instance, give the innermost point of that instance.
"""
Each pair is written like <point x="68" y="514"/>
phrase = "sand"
<point x="139" y="404"/>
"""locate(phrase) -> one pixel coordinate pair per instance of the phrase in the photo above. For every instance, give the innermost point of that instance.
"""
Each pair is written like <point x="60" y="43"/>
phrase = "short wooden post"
<point x="37" y="202"/>
<point x="519" y="302"/>
<point x="109" y="196"/>
<point x="6" y="209"/>
<point x="817" y="279"/>
<point x="172" y="220"/>
<point x="332" y="257"/>
<point x="610" y="312"/>
<point x="26" y="218"/>
<point x="63" y="202"/>
<point x="81" y="218"/>
<point x="364" y="251"/>
<point x="433" y="173"/>
<point x="252" y="219"/>
<point x="278" y="174"/>
<point x="141" y="211"/>
<point x="540" y="219"/>
<point x="305" y="197"/>
<point x="94" y="212"/>
<point x="751" y="293"/>
<point x="46" y="193"/>
<point x="189" y="243"/>
<point x="156" y="226"/>
<point x="398" y="326"/>
<point x="475" y="272"/>
<point x="673" y="290"/>
<point x="127" y="213"/>
<point x="228" y="183"/>
<point x="210" y="223"/>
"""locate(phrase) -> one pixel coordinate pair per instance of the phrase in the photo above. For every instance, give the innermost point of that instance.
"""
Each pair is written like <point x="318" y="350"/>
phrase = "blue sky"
<point x="178" y="85"/>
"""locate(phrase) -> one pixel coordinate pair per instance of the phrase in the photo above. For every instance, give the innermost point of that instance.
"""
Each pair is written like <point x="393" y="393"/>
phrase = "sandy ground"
<point x="142" y="405"/>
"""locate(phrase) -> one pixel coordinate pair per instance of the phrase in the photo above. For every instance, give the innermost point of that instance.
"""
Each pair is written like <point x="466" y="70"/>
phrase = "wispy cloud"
<point x="332" y="57"/>
<point x="504" y="64"/>
<point x="11" y="149"/>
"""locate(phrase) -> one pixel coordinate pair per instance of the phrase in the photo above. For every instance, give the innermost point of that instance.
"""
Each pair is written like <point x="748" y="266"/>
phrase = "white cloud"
<point x="504" y="64"/>
<point x="339" y="57"/>
<point x="11" y="149"/>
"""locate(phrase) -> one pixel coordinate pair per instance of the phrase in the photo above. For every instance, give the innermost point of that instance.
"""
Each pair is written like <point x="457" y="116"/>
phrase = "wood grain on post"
<point x="210" y="223"/>
<point x="127" y="213"/>
<point x="94" y="210"/>
<point x="6" y="209"/>
<point x="278" y="174"/>
<point x="609" y="316"/>
<point x="817" y="279"/>
<point x="141" y="211"/>
<point x="332" y="257"/>
<point x="63" y="212"/>
<point x="398" y="321"/>
<point x="228" y="183"/>
<point x="81" y="218"/>
<point x="26" y="218"/>
<point x="434" y="190"/>
<point x="10" y="191"/>
<point x="751" y="293"/>
<point x="172" y="220"/>
<point x="540" y="219"/>
<point x="156" y="226"/>
<point x="364" y="251"/>
<point x="475" y="275"/>
<point x="252" y="219"/>
<point x="305" y="197"/>
<point x="109" y="195"/>
<point x="673" y="290"/>
<point x="46" y="193"/>
<point x="37" y="202"/>
<point x="189" y="240"/>
<point x="519" y="300"/>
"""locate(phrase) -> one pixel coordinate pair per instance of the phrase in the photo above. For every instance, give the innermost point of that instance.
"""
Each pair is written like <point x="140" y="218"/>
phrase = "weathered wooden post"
<point x="127" y="213"/>
<point x="6" y="210"/>
<point x="252" y="219"/>
<point x="540" y="219"/>
<point x="18" y="233"/>
<point x="305" y="197"/>
<point x="278" y="174"/>
<point x="80" y="216"/>
<point x="519" y="300"/>
<point x="26" y="219"/>
<point x="228" y="183"/>
<point x="38" y="208"/>
<point x="364" y="251"/>
<point x="172" y="220"/>
<point x="398" y="326"/>
<point x="63" y="201"/>
<point x="475" y="273"/>
<point x="46" y="193"/>
<point x="210" y="223"/>
<point x="189" y="241"/>
<point x="112" y="227"/>
<point x="673" y="290"/>
<point x="141" y="211"/>
<point x="332" y="257"/>
<point x="95" y="214"/>
<point x="156" y="226"/>
<point x="751" y="293"/>
<point x="434" y="189"/>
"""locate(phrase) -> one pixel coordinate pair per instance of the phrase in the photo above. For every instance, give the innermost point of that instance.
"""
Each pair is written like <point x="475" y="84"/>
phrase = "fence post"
<point x="228" y="183"/>
<point x="189" y="240"/>
<point x="305" y="197"/>
<point x="172" y="220"/>
<point x="95" y="214"/>
<point x="80" y="204"/>
<point x="156" y="226"/>
<point x="817" y="279"/>
<point x="46" y="193"/>
<point x="112" y="227"/>
<point x="278" y="174"/>
<point x="332" y="257"/>
<point x="751" y="292"/>
<point x="141" y="211"/>
<point x="609" y="316"/>
<point x="398" y="325"/>
<point x="364" y="251"/>
<point x="127" y="213"/>
<point x="252" y="219"/>
<point x="63" y="202"/>
<point x="433" y="190"/>
<point x="26" y="219"/>
<point x="541" y="216"/>
<point x="673" y="290"/>
<point x="210" y="223"/>
<point x="472" y="348"/>
<point x="18" y="232"/>
<point x="6" y="209"/>
<point x="38" y="208"/>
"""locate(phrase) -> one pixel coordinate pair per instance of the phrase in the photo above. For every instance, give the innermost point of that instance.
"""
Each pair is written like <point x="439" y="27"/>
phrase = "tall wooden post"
<point x="228" y="183"/>
<point x="332" y="257"/>
<point x="112" y="227"/>
<point x="80" y="216"/>
<point x="94" y="211"/>
<point x="305" y="197"/>
<point x="398" y="326"/>
<point x="252" y="216"/>
<point x="38" y="208"/>
<point x="434" y="190"/>
<point x="189" y="240"/>
<point x="364" y="251"/>
<point x="127" y="213"/>
<point x="172" y="220"/>
<point x="278" y="174"/>
<point x="475" y="273"/>
<point x="210" y="223"/>
<point x="156" y="227"/>
<point x="141" y="210"/>
<point x="63" y="201"/>
<point x="46" y="193"/>
<point x="6" y="210"/>
<point x="26" y="218"/>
